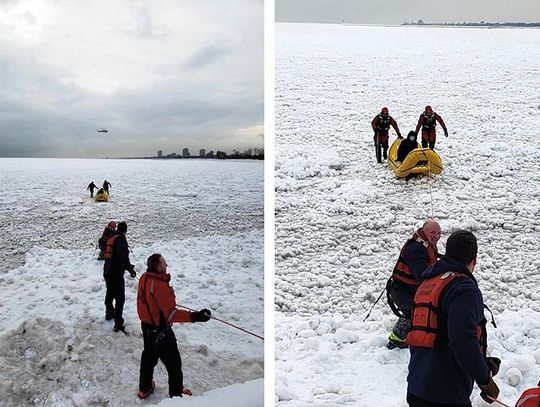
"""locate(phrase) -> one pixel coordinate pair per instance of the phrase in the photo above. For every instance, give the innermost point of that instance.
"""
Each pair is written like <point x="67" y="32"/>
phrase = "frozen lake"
<point x="44" y="202"/>
<point x="204" y="216"/>
<point x="341" y="218"/>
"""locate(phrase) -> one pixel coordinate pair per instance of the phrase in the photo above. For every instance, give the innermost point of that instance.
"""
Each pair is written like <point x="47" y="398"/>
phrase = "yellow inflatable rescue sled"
<point x="102" y="196"/>
<point x="418" y="161"/>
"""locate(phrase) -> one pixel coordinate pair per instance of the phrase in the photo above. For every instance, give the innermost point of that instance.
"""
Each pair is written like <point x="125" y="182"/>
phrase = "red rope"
<point x="224" y="322"/>
<point x="220" y="320"/>
<point x="498" y="401"/>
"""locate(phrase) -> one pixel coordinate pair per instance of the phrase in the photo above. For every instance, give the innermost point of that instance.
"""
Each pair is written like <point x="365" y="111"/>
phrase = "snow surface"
<point x="341" y="218"/>
<point x="56" y="348"/>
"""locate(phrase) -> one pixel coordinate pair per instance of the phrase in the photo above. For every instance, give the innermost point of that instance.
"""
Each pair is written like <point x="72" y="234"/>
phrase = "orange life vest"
<point x="402" y="271"/>
<point x="425" y="330"/>
<point x="109" y="247"/>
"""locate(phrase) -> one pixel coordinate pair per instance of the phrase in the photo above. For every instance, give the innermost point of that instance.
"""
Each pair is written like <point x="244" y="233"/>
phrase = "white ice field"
<point x="341" y="218"/>
<point x="204" y="216"/>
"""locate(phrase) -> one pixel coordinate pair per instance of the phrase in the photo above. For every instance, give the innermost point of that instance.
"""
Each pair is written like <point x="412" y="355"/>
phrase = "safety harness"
<point x="383" y="124"/>
<point x="402" y="271"/>
<point x="429" y="121"/>
<point x="426" y="319"/>
<point x="109" y="248"/>
<point x="108" y="232"/>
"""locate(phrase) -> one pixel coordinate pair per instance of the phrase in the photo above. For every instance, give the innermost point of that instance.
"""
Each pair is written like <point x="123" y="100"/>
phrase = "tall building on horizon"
<point x="160" y="153"/>
<point x="202" y="153"/>
<point x="185" y="153"/>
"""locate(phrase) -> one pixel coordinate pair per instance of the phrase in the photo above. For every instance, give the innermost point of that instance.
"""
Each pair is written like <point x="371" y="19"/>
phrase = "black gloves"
<point x="131" y="270"/>
<point x="490" y="389"/>
<point x="399" y="136"/>
<point x="493" y="365"/>
<point x="445" y="133"/>
<point x="201" y="316"/>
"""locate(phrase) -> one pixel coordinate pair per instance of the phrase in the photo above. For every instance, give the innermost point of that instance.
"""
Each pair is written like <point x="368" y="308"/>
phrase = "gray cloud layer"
<point x="398" y="11"/>
<point x="164" y="75"/>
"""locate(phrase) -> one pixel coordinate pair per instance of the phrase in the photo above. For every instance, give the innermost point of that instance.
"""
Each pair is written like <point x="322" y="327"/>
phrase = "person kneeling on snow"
<point x="448" y="338"/>
<point x="156" y="306"/>
<point x="108" y="232"/>
<point x="417" y="254"/>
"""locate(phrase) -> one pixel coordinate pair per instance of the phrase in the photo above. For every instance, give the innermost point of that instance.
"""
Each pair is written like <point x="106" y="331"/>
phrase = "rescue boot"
<point x="187" y="392"/>
<point x="144" y="394"/>
<point x="119" y="328"/>
<point x="395" y="341"/>
<point x="399" y="333"/>
<point x="378" y="153"/>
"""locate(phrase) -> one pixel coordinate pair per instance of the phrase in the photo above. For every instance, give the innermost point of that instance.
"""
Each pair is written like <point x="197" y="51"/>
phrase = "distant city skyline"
<point x="168" y="72"/>
<point x="397" y="11"/>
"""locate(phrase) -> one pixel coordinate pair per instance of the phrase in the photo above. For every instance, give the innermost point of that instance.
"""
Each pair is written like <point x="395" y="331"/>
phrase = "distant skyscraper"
<point x="185" y="152"/>
<point x="210" y="154"/>
<point x="160" y="153"/>
<point x="202" y="153"/>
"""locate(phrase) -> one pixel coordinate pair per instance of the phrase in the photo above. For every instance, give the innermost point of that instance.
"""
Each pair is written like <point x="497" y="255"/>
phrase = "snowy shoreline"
<point x="57" y="349"/>
<point x="341" y="218"/>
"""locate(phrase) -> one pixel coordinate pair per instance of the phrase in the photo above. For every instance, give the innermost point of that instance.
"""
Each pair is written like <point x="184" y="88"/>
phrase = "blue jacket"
<point x="446" y="374"/>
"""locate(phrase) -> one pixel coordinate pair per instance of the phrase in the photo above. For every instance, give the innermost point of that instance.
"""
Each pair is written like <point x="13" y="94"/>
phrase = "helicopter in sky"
<point x="102" y="130"/>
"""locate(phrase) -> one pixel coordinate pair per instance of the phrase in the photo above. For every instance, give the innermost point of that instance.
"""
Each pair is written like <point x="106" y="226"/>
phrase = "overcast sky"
<point x="398" y="11"/>
<point x="157" y="74"/>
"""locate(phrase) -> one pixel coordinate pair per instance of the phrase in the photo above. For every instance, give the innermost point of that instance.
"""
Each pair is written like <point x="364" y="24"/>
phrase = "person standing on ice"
<point x="381" y="125"/>
<point x="417" y="254"/>
<point x="106" y="185"/>
<point x="156" y="306"/>
<point x="448" y="339"/>
<point x="428" y="121"/>
<point x="116" y="262"/>
<point x="91" y="187"/>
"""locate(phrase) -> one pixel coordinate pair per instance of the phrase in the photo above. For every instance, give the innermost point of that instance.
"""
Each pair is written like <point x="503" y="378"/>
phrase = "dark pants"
<point x="115" y="291"/>
<point x="403" y="296"/>
<point x="418" y="402"/>
<point x="381" y="148"/>
<point x="426" y="144"/>
<point x="91" y="192"/>
<point x="165" y="350"/>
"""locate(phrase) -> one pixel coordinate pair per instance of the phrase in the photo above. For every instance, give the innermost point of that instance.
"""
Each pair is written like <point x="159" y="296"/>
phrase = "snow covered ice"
<point x="341" y="218"/>
<point x="204" y="216"/>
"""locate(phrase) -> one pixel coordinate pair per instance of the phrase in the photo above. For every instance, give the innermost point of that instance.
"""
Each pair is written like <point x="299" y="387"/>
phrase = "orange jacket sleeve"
<point x="166" y="301"/>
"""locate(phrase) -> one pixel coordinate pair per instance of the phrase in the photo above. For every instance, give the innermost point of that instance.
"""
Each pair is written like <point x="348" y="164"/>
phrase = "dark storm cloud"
<point x="398" y="11"/>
